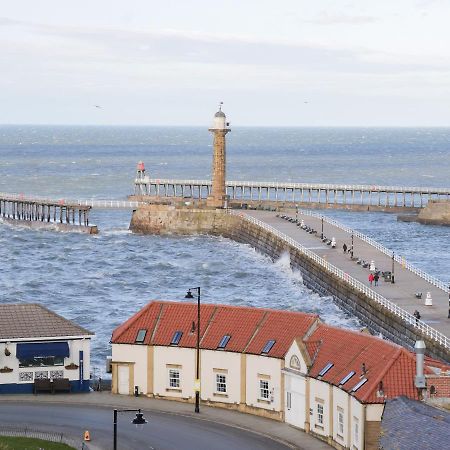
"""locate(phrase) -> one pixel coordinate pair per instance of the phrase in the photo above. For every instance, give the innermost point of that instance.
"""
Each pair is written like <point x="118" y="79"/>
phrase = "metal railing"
<point x="322" y="186"/>
<point x="78" y="444"/>
<point x="390" y="306"/>
<point x="398" y="258"/>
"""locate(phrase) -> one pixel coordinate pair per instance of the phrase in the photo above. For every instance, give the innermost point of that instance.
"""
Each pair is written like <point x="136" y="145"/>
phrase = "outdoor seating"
<point x="42" y="385"/>
<point x="61" y="385"/>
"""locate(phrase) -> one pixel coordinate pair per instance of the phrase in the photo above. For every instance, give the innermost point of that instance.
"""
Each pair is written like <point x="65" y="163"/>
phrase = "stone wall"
<point x="436" y="212"/>
<point x="164" y="219"/>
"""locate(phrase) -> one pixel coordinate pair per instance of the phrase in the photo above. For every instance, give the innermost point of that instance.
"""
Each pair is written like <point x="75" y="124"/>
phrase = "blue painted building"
<point x="37" y="344"/>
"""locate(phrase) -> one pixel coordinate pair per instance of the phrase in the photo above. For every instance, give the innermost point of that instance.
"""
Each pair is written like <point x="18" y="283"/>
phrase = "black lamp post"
<point x="448" y="302"/>
<point x="138" y="420"/>
<point x="296" y="213"/>
<point x="392" y="275"/>
<point x="351" y="250"/>
<point x="321" y="233"/>
<point x="197" y="366"/>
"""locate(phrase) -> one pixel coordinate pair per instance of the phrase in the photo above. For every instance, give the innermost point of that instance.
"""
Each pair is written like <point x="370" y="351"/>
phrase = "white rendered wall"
<point x="269" y="368"/>
<point x="341" y="400"/>
<point x="319" y="390"/>
<point x="357" y="411"/>
<point x="183" y="359"/>
<point x="220" y="362"/>
<point x="137" y="354"/>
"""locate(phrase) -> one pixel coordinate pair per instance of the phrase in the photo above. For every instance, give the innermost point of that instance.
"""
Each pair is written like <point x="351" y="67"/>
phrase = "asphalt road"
<point x="163" y="430"/>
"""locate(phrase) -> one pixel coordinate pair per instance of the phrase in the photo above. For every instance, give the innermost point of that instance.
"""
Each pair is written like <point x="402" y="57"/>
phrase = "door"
<point x="124" y="380"/>
<point x="295" y="401"/>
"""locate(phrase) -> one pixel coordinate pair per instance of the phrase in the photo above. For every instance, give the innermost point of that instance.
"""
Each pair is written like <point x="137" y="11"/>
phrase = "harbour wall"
<point x="154" y="219"/>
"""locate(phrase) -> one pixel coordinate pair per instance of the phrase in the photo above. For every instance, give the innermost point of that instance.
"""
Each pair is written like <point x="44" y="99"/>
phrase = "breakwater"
<point x="378" y="313"/>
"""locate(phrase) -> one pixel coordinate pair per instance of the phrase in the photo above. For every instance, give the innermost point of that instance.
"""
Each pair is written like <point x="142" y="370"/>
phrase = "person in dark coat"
<point x="344" y="247"/>
<point x="376" y="277"/>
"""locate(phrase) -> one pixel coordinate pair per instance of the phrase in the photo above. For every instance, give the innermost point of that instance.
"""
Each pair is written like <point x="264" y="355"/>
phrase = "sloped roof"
<point x="31" y="320"/>
<point x="249" y="328"/>
<point x="411" y="425"/>
<point x="383" y="362"/>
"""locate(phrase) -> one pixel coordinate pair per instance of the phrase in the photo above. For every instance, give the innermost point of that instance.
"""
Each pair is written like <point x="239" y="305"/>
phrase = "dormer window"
<point x="224" y="341"/>
<point x="176" y="338"/>
<point x="140" y="336"/>
<point x="268" y="347"/>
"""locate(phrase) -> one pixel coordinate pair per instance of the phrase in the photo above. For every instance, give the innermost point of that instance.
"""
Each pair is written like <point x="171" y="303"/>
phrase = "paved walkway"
<point x="278" y="431"/>
<point x="406" y="282"/>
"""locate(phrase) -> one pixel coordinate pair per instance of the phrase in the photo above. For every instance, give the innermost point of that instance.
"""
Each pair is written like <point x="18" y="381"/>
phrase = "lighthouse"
<point x="219" y="129"/>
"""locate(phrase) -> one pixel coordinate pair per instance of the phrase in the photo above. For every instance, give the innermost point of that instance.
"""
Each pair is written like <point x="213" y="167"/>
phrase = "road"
<point x="163" y="431"/>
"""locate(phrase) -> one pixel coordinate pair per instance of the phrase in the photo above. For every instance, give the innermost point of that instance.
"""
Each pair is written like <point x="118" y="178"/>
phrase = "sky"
<point x="284" y="63"/>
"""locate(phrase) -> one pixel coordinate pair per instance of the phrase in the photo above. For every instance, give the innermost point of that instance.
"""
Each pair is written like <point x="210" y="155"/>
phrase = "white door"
<point x="124" y="380"/>
<point x="295" y="401"/>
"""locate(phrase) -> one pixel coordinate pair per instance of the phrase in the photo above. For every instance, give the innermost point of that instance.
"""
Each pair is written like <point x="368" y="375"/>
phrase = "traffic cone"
<point x="87" y="436"/>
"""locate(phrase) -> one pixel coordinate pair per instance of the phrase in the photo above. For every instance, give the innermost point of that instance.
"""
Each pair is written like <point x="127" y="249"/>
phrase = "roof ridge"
<point x="158" y="319"/>
<point x="258" y="327"/>
<point x="211" y="321"/>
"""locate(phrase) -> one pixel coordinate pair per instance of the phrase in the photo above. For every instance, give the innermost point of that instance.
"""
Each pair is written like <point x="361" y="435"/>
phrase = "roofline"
<point x="46" y="338"/>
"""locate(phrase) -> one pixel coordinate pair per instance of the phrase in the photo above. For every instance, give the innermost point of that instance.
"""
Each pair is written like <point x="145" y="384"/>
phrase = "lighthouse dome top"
<point x="220" y="120"/>
<point x="219" y="113"/>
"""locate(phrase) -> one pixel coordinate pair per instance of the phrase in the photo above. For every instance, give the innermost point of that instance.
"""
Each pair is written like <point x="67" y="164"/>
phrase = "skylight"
<point x="141" y="336"/>
<point x="176" y="338"/>
<point x="268" y="346"/>
<point x="361" y="383"/>
<point x="347" y="377"/>
<point x="326" y="369"/>
<point x="224" y="341"/>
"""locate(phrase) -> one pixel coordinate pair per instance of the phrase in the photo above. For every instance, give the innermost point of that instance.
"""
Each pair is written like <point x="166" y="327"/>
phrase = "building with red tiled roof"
<point x="280" y="364"/>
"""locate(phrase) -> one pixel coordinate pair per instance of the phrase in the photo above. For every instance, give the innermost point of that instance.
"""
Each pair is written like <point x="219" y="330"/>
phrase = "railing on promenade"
<point x="322" y="186"/>
<point x="400" y="259"/>
<point x="390" y="306"/>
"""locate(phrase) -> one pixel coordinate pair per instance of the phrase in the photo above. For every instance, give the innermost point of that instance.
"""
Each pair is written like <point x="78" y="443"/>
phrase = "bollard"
<point x="333" y="242"/>
<point x="372" y="266"/>
<point x="428" y="300"/>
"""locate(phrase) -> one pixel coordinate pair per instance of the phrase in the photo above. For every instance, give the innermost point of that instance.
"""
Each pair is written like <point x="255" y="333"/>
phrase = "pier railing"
<point x="390" y="306"/>
<point x="398" y="258"/>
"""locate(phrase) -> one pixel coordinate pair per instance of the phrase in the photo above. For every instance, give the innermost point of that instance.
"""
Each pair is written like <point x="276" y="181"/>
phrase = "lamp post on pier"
<point x="321" y="232"/>
<point x="448" y="302"/>
<point x="296" y="213"/>
<point x="393" y="264"/>
<point x="351" y="249"/>
<point x="138" y="420"/>
<point x="197" y="356"/>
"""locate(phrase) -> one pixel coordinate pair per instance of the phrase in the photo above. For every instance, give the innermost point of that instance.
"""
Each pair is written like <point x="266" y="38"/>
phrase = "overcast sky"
<point x="167" y="62"/>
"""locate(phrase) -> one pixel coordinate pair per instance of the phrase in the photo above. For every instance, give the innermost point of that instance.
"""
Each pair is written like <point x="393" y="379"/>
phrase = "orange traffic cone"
<point x="87" y="436"/>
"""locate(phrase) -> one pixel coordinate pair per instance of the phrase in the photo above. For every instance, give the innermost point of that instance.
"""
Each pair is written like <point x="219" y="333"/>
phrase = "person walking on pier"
<point x="344" y="247"/>
<point x="376" y="277"/>
<point x="417" y="316"/>
<point x="371" y="278"/>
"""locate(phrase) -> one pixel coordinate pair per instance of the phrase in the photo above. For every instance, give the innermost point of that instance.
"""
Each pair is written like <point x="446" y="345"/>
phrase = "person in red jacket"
<point x="371" y="278"/>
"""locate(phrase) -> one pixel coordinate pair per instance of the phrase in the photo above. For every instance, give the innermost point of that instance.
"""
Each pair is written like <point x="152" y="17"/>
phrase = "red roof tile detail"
<point x="283" y="327"/>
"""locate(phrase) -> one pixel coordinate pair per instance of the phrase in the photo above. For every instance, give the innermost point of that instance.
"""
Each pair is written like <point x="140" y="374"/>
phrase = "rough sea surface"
<point x="99" y="281"/>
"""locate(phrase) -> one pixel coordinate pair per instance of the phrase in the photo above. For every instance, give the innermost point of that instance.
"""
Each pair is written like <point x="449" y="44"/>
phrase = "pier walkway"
<point x="399" y="297"/>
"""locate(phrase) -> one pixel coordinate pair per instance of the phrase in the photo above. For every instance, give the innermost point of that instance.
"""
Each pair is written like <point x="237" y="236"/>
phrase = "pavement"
<point x="174" y="425"/>
<point x="402" y="292"/>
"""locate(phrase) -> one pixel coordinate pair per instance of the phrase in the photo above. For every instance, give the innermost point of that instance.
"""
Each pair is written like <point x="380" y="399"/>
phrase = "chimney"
<point x="420" y="356"/>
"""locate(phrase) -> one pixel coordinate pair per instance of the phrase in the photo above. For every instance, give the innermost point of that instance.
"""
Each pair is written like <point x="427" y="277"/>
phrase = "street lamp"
<point x="296" y="213"/>
<point x="197" y="366"/>
<point x="321" y="233"/>
<point x="448" y="302"/>
<point x="138" y="420"/>
<point x="351" y="250"/>
<point x="392" y="275"/>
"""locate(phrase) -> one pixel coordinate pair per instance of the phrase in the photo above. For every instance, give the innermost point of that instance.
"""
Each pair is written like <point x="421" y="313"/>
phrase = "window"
<point x="341" y="423"/>
<point x="42" y="361"/>
<point x="174" y="378"/>
<point x="221" y="383"/>
<point x="264" y="389"/>
<point x="176" y="338"/>
<point x="288" y="400"/>
<point x="346" y="378"/>
<point x="268" y="346"/>
<point x="325" y="369"/>
<point x="362" y="382"/>
<point x="224" y="341"/>
<point x="141" y="336"/>
<point x="355" y="432"/>
<point x="319" y="413"/>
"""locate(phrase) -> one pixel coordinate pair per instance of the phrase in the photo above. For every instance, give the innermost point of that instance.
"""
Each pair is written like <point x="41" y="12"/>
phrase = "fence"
<point x="390" y="306"/>
<point x="426" y="276"/>
<point x="77" y="444"/>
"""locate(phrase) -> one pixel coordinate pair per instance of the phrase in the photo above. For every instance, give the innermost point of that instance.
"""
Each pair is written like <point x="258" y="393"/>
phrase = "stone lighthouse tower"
<point x="219" y="129"/>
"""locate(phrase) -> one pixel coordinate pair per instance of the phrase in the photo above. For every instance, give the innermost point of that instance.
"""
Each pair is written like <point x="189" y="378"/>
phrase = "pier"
<point x="322" y="195"/>
<point x="47" y="214"/>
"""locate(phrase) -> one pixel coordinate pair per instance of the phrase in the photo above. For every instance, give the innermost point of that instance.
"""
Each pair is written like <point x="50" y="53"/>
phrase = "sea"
<point x="100" y="281"/>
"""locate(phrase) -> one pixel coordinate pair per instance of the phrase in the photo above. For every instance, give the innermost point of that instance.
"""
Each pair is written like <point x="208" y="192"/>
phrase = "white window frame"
<point x="355" y="432"/>
<point x="288" y="400"/>
<point x="340" y="415"/>
<point x="221" y="383"/>
<point x="264" y="390"/>
<point x="320" y="410"/>
<point x="174" y="375"/>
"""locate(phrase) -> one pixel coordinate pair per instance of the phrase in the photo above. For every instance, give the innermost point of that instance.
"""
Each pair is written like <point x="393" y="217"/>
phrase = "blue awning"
<point x="27" y="351"/>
